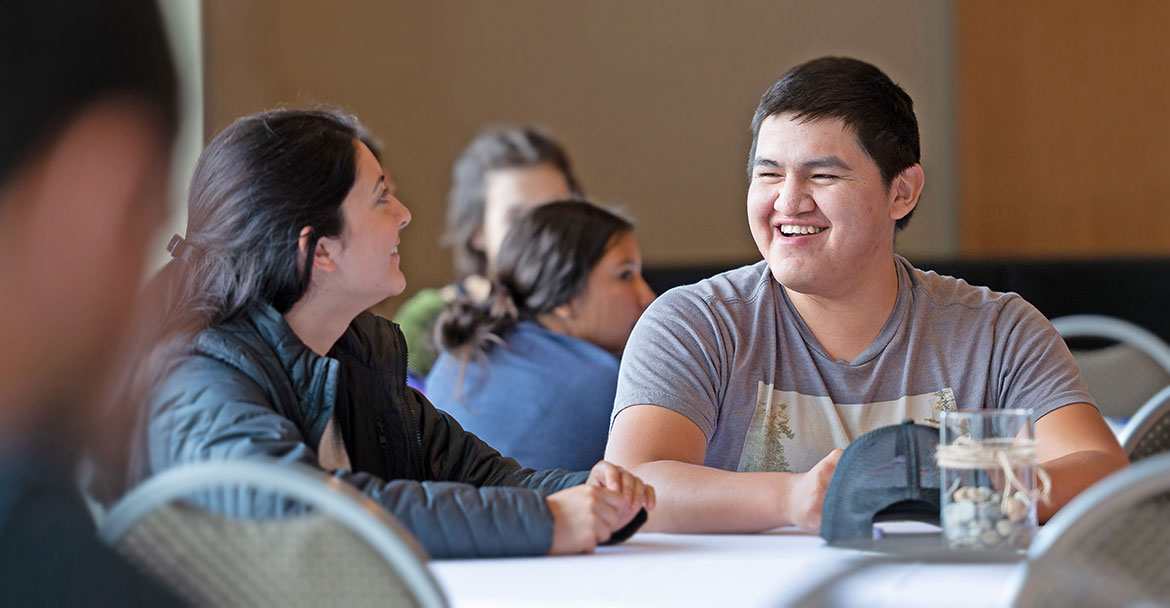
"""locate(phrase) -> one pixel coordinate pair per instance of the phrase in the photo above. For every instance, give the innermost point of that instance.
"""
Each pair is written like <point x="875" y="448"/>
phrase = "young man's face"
<point x="82" y="214"/>
<point x="817" y="206"/>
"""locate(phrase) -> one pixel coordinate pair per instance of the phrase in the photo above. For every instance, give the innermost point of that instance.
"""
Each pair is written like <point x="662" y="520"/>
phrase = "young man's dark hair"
<point x="878" y="111"/>
<point x="57" y="57"/>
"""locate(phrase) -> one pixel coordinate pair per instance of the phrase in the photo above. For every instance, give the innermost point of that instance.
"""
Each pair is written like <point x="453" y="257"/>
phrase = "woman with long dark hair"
<point x="533" y="368"/>
<point x="264" y="348"/>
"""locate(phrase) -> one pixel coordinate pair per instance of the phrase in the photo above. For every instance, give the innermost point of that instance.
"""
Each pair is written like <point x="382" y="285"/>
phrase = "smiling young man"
<point x="737" y="394"/>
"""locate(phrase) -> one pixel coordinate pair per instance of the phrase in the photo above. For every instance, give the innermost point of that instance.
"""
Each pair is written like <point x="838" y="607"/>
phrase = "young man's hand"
<point x="807" y="496"/>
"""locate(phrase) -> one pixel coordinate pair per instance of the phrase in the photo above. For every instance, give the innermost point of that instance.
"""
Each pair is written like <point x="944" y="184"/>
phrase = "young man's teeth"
<point x="786" y="229"/>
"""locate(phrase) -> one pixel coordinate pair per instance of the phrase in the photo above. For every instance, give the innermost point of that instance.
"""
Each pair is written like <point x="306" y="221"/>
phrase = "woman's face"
<point x="508" y="193"/>
<point x="614" y="297"/>
<point x="366" y="254"/>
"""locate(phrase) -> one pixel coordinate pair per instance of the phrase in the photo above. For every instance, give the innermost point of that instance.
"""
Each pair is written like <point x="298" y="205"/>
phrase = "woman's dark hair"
<point x="544" y="261"/>
<point x="494" y="148"/>
<point x="256" y="186"/>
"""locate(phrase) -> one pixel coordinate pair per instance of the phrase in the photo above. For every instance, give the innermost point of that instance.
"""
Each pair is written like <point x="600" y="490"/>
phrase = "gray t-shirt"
<point x="732" y="354"/>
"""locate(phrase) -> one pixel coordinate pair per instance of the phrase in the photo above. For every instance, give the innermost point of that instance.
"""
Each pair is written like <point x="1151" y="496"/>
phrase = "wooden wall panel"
<point x="653" y="104"/>
<point x="1064" y="127"/>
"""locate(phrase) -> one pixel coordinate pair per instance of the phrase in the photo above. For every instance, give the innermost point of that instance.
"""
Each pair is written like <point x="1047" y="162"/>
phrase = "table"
<point x="767" y="569"/>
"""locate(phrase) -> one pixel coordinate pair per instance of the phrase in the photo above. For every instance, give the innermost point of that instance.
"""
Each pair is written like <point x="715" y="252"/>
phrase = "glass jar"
<point x="987" y="463"/>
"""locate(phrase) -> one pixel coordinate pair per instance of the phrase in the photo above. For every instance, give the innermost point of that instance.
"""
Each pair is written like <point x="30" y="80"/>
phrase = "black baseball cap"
<point x="885" y="475"/>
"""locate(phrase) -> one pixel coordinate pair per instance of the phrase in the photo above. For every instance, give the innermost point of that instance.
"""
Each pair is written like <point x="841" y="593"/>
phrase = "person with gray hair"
<point x="502" y="173"/>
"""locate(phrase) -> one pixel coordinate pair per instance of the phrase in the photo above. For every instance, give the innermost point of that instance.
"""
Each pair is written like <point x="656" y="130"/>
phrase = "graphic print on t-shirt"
<point x="791" y="432"/>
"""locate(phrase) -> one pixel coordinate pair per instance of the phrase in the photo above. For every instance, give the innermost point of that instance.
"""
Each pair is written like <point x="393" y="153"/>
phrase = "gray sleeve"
<point x="206" y="411"/>
<point x="675" y="358"/>
<point x="1036" y="371"/>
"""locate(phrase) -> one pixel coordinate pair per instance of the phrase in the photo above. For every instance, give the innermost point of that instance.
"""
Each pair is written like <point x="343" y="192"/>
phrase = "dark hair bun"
<point x="466" y="327"/>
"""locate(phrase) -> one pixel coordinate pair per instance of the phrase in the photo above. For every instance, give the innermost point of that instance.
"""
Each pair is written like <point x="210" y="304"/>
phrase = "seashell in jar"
<point x="1004" y="527"/>
<point x="990" y="538"/>
<point x="959" y="512"/>
<point x="1013" y="508"/>
<point x="963" y="494"/>
<point x="955" y="531"/>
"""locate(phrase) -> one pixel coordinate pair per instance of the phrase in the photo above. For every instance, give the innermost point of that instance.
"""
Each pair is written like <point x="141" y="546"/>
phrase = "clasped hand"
<point x="587" y="515"/>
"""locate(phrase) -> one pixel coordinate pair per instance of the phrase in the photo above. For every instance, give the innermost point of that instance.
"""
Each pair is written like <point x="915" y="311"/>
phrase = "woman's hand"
<point x="616" y="479"/>
<point x="587" y="515"/>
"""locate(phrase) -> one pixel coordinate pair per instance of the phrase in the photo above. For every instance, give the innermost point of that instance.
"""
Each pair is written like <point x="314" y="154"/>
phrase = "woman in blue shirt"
<point x="533" y="369"/>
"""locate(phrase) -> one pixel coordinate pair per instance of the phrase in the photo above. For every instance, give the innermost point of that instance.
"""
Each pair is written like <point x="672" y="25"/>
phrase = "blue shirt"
<point x="542" y="398"/>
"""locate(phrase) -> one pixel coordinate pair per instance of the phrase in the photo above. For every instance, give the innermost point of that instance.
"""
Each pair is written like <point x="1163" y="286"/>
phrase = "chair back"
<point x="1148" y="432"/>
<point x="334" y="546"/>
<point x="1123" y="375"/>
<point x="907" y="578"/>
<point x="1112" y="542"/>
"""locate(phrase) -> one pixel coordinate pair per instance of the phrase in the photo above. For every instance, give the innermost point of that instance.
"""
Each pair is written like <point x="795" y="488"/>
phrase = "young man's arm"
<point x="1076" y="449"/>
<point x="666" y="450"/>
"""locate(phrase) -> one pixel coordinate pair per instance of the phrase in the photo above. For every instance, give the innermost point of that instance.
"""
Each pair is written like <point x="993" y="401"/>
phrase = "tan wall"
<point x="1065" y="129"/>
<point x="652" y="97"/>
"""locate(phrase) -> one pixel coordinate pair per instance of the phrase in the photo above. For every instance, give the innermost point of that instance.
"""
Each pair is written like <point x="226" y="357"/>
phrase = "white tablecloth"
<point x="768" y="569"/>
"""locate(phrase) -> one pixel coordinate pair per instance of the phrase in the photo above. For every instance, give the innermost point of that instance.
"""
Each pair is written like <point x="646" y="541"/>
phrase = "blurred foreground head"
<point x="87" y="120"/>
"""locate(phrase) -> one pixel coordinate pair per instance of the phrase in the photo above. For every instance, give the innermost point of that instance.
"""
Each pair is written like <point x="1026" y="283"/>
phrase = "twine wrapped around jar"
<point x="1006" y="454"/>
